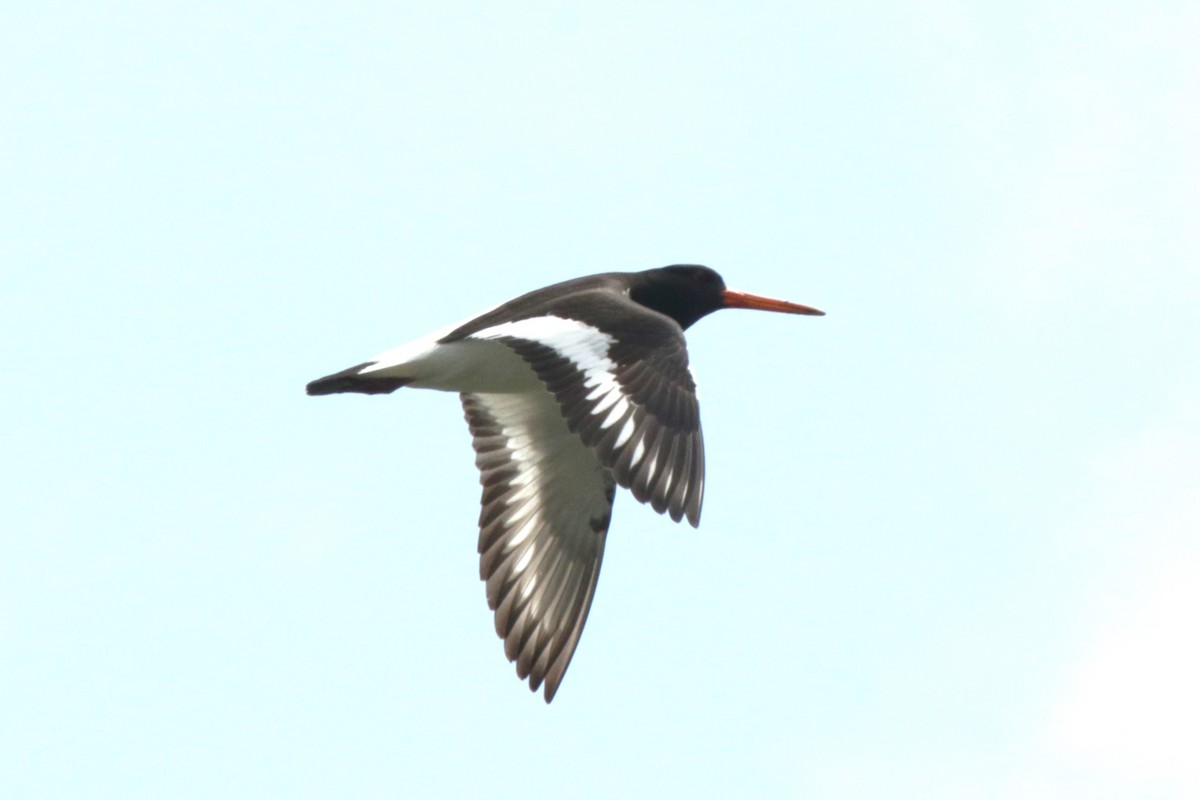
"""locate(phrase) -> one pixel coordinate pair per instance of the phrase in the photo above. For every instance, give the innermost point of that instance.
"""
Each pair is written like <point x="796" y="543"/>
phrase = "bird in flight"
<point x="568" y="391"/>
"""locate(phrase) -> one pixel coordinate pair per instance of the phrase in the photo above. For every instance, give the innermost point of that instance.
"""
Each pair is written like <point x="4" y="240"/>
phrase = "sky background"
<point x="951" y="538"/>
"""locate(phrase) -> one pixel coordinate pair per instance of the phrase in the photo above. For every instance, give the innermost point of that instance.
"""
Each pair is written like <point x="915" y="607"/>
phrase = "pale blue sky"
<point x="951" y="538"/>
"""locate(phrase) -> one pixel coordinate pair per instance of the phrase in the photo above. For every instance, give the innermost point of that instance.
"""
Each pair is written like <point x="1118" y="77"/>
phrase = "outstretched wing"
<point x="545" y="511"/>
<point x="632" y="400"/>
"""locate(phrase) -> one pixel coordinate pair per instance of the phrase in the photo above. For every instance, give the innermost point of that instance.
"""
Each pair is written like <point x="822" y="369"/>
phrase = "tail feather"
<point x="350" y="380"/>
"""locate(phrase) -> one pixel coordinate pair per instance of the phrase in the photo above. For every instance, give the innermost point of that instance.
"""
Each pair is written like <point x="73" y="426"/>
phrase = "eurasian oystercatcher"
<point x="568" y="391"/>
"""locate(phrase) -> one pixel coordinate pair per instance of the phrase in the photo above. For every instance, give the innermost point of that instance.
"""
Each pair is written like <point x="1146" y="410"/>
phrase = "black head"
<point x="688" y="292"/>
<point x="684" y="292"/>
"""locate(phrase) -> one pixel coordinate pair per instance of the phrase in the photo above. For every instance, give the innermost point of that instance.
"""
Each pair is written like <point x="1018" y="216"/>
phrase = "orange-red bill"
<point x="742" y="300"/>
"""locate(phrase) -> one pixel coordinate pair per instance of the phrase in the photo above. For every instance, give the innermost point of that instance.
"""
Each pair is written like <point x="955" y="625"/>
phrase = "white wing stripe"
<point x="626" y="432"/>
<point x="586" y="347"/>
<point x="612" y="398"/>
<point x="639" y="450"/>
<point x="618" y="413"/>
